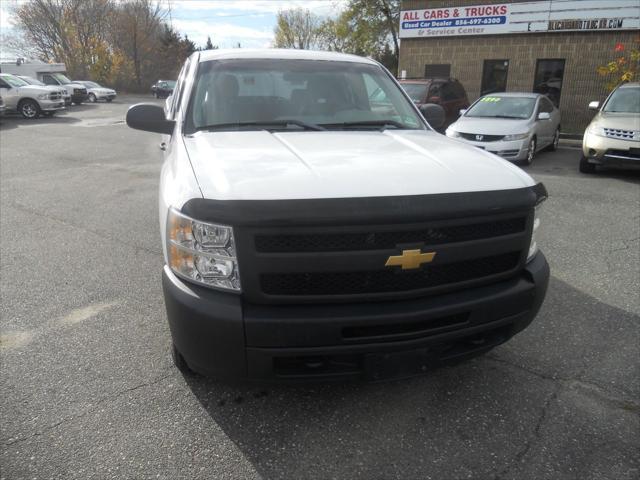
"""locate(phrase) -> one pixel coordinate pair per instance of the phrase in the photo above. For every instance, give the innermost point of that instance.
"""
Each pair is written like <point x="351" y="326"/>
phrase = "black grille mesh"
<point x="388" y="280"/>
<point x="387" y="240"/>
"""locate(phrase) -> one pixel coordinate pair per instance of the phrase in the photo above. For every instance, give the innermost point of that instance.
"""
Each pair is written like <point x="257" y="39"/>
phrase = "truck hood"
<point x="295" y="165"/>
<point x="37" y="89"/>
<point x="490" y="126"/>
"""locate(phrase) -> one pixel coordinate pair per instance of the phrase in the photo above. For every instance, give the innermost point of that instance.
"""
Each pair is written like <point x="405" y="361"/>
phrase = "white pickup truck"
<point x="310" y="232"/>
<point x="30" y="101"/>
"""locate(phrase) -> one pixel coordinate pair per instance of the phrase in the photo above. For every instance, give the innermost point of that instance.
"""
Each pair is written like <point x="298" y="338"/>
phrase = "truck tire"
<point x="92" y="98"/>
<point x="585" y="166"/>
<point x="29" y="109"/>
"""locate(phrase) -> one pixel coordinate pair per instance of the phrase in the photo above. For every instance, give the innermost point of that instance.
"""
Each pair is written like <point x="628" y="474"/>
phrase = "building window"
<point x="548" y="78"/>
<point x="494" y="76"/>
<point x="437" y="70"/>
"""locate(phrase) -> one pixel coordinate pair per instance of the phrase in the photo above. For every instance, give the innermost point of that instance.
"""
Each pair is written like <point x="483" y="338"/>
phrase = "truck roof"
<point x="275" y="53"/>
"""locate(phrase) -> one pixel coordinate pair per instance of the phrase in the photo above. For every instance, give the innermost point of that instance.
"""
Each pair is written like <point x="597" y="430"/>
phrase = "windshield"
<point x="416" y="91"/>
<point x="246" y="94"/>
<point x="502" y="107"/>
<point x="14" y="81"/>
<point x="32" y="81"/>
<point x="61" y="78"/>
<point x="624" y="100"/>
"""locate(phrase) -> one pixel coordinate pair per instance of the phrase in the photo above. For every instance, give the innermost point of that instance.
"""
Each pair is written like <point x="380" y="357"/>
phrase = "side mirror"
<point x="150" y="118"/>
<point x="462" y="112"/>
<point x="594" y="105"/>
<point x="433" y="114"/>
<point x="544" y="116"/>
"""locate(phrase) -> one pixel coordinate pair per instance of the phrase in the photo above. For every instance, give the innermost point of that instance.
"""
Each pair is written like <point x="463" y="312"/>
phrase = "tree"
<point x="624" y="67"/>
<point x="366" y="27"/>
<point x="209" y="45"/>
<point x="297" y="28"/>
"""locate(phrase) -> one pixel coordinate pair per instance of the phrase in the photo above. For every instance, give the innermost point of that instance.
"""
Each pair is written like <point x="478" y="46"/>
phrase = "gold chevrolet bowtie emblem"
<point x="410" y="259"/>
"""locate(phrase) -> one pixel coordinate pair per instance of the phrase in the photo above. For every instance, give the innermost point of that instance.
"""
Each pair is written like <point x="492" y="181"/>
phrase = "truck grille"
<point x="350" y="283"/>
<point x="79" y="91"/>
<point x="386" y="239"/>
<point x="346" y="263"/>
<point x="55" y="96"/>
<point x="622" y="134"/>
<point x="477" y="137"/>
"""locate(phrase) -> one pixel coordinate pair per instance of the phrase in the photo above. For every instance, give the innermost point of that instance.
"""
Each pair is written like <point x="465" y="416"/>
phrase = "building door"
<point x="548" y="78"/>
<point x="494" y="76"/>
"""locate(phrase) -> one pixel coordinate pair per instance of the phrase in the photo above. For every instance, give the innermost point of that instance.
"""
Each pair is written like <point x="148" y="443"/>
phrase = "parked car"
<point x="77" y="91"/>
<point x="512" y="125"/>
<point x="612" y="139"/>
<point x="34" y="81"/>
<point x="306" y="235"/>
<point x="29" y="100"/>
<point x="446" y="92"/>
<point x="163" y="88"/>
<point x="98" y="92"/>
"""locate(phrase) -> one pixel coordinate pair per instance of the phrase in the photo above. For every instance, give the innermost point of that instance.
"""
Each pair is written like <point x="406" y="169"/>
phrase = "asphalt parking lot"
<point x="89" y="390"/>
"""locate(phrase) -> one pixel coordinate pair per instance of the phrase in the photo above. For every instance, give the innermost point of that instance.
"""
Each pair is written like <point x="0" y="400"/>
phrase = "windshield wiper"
<point x="382" y="124"/>
<point x="269" y="125"/>
<point x="507" y="116"/>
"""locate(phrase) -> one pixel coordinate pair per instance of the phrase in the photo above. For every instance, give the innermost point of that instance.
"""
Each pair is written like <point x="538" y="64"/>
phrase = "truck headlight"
<point x="533" y="246"/>
<point x="451" y="133"/>
<point x="517" y="136"/>
<point x="202" y="252"/>
<point x="43" y="96"/>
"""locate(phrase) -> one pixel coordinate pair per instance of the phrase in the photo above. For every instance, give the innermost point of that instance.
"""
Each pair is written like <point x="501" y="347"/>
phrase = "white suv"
<point x="29" y="100"/>
<point x="314" y="227"/>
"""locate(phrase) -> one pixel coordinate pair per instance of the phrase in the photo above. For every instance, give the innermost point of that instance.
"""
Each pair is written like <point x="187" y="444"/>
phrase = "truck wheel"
<point x="92" y="98"/>
<point x="180" y="362"/>
<point x="29" y="108"/>
<point x="585" y="166"/>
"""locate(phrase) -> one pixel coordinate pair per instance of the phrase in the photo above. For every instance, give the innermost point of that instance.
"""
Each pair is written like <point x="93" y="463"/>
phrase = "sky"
<point x="250" y="22"/>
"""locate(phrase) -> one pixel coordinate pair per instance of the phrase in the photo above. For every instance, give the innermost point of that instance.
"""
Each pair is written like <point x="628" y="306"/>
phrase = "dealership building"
<point x="552" y="47"/>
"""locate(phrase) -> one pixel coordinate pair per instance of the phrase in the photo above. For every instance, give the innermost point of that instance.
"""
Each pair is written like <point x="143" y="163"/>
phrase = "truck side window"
<point x="3" y="84"/>
<point x="48" y="80"/>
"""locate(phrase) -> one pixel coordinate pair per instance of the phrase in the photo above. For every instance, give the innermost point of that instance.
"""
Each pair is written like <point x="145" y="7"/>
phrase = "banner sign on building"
<point x="547" y="16"/>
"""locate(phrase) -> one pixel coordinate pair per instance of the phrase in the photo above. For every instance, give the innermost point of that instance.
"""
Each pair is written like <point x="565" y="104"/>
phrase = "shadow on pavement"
<point x="538" y="405"/>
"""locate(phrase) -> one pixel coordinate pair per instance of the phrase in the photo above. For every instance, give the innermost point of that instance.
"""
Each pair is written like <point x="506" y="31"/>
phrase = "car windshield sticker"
<point x="490" y="99"/>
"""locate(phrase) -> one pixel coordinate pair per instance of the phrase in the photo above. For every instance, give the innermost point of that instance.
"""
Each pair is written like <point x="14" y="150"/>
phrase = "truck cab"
<point x="314" y="226"/>
<point x="77" y="91"/>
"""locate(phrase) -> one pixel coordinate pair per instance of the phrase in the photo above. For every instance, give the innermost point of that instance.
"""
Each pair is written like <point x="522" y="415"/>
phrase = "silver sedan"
<point x="512" y="125"/>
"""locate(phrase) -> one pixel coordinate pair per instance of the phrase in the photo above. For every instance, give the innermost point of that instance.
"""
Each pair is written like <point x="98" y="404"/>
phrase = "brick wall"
<point x="583" y="53"/>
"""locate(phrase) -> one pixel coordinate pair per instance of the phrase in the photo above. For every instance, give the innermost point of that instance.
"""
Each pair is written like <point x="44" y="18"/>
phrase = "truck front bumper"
<point x="51" y="105"/>
<point x="219" y="335"/>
